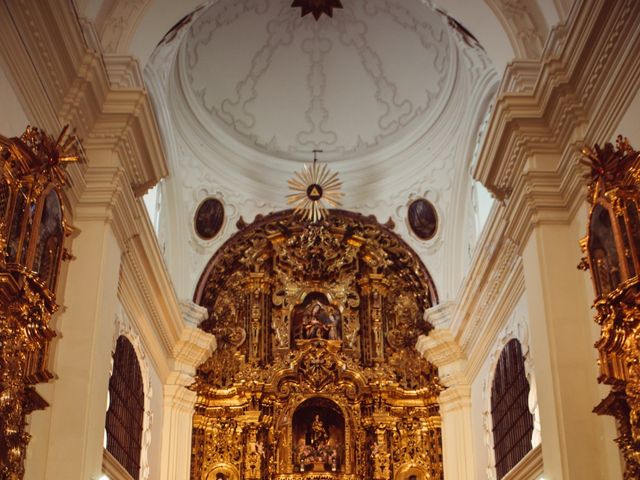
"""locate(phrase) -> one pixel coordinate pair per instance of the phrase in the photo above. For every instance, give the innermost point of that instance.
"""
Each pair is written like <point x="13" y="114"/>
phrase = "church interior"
<point x="320" y="239"/>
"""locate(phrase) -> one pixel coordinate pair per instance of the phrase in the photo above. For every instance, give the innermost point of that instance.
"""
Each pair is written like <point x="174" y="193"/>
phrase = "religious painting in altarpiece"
<point x="316" y="375"/>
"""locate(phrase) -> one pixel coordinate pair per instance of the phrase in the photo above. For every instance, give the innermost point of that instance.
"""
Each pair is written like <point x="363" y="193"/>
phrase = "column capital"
<point x="191" y="350"/>
<point x="454" y="398"/>
<point x="441" y="348"/>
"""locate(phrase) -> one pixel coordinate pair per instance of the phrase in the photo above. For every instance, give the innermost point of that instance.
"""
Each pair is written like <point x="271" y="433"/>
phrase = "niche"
<point x="318" y="436"/>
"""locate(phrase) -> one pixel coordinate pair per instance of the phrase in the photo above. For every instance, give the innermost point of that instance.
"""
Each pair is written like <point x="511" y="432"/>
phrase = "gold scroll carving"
<point x="316" y="375"/>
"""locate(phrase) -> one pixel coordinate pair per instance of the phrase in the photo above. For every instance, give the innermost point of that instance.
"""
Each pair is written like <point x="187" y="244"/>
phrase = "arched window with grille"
<point x="125" y="414"/>
<point x="511" y="418"/>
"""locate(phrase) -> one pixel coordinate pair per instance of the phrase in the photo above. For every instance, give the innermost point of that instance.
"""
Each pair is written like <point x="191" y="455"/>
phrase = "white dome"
<point x="377" y="73"/>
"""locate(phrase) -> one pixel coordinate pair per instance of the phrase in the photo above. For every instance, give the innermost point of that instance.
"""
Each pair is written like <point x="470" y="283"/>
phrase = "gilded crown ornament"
<point x="315" y="189"/>
<point x="610" y="166"/>
<point x="317" y="7"/>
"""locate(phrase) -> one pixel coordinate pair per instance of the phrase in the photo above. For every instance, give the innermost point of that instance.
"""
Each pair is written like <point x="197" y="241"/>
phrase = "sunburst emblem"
<point x="315" y="189"/>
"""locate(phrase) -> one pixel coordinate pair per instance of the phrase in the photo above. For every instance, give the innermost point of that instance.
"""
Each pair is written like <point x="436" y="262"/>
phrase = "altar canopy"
<point x="316" y="374"/>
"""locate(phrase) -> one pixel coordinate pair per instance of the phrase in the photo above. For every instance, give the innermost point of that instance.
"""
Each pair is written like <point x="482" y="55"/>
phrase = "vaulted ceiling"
<point x="394" y="92"/>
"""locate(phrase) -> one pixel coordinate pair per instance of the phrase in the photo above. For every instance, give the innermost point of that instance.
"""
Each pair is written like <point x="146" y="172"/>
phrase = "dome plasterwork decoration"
<point x="252" y="182"/>
<point x="337" y="84"/>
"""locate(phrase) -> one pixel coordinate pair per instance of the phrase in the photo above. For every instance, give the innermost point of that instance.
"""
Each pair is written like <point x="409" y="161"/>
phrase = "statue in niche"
<point x="318" y="437"/>
<point x="318" y="433"/>
<point x="319" y="320"/>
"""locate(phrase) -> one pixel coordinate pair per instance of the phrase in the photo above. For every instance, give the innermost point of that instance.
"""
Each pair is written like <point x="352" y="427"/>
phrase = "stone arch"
<point x="236" y="243"/>
<point x="517" y="328"/>
<point x="524" y="24"/>
<point x="123" y="328"/>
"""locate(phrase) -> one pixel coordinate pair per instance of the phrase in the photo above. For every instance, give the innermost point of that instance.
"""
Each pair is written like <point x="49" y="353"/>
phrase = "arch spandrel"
<point x="356" y="294"/>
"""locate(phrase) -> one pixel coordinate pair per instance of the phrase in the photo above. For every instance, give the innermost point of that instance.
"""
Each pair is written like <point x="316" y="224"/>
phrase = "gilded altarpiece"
<point x="316" y="375"/>
<point x="32" y="233"/>
<point x="612" y="248"/>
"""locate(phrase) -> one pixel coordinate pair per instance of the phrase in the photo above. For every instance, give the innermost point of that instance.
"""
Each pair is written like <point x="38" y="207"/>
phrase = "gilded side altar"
<point x="316" y="375"/>
<point x="612" y="254"/>
<point x="32" y="233"/>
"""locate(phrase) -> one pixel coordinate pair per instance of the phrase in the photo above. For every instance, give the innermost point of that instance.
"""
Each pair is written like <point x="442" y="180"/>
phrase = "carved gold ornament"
<point x="612" y="255"/>
<point x="32" y="231"/>
<point x="315" y="190"/>
<point x="316" y="376"/>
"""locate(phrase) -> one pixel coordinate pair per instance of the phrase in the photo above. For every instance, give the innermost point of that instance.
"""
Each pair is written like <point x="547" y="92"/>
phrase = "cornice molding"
<point x="455" y="398"/>
<point x="573" y="91"/>
<point x="193" y="348"/>
<point x="546" y="110"/>
<point x="529" y="468"/>
<point x="63" y="80"/>
<point x="112" y="467"/>
<point x="442" y="349"/>
<point x="193" y="313"/>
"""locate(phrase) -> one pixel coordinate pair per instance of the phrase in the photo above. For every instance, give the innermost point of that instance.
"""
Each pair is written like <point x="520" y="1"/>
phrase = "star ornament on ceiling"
<point x="317" y="7"/>
<point x="315" y="189"/>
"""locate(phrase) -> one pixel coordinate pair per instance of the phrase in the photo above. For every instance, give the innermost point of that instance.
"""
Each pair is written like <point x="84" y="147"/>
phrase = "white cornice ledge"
<point x="529" y="468"/>
<point x="193" y="313"/>
<point x="454" y="398"/>
<point x="439" y="316"/>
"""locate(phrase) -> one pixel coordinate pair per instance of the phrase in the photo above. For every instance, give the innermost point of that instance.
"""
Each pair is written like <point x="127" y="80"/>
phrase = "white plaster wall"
<point x="13" y="119"/>
<point x="629" y="126"/>
<point x="481" y="459"/>
<point x="156" y="404"/>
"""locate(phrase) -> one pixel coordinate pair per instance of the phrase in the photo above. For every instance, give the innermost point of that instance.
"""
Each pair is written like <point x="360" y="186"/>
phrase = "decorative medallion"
<point x="317" y="7"/>
<point x="315" y="189"/>
<point x="423" y="219"/>
<point x="209" y="218"/>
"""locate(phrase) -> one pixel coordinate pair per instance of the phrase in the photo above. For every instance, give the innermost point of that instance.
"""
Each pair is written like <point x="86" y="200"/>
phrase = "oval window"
<point x="209" y="218"/>
<point x="423" y="219"/>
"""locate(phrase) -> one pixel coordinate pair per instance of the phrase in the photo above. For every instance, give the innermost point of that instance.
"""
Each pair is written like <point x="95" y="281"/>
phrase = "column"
<point x="194" y="347"/>
<point x="374" y="290"/>
<point x="441" y="349"/>
<point x="575" y="442"/>
<point x="457" y="439"/>
<point x="82" y="357"/>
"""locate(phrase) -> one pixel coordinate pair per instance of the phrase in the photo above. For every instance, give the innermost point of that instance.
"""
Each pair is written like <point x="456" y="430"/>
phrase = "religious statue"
<point x="319" y="451"/>
<point x="318" y="432"/>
